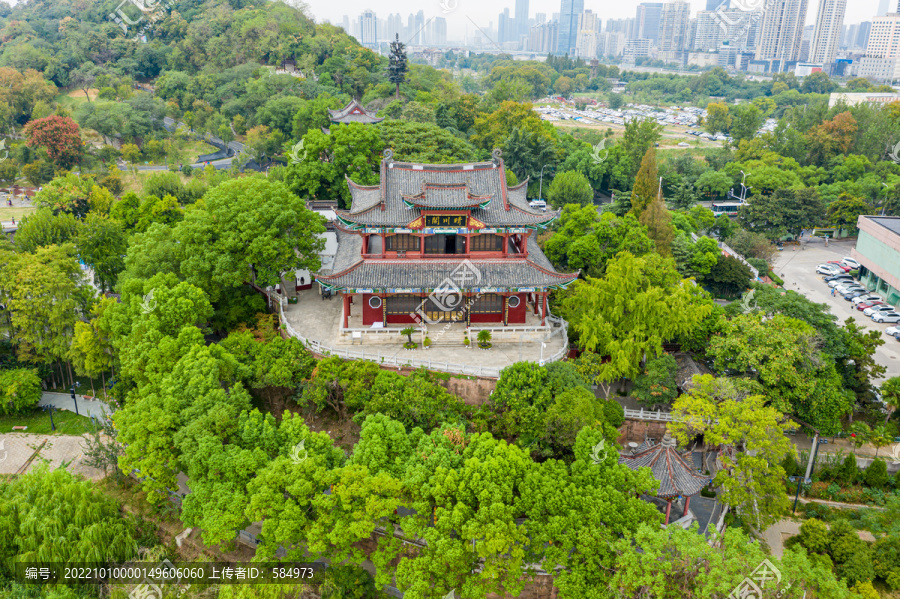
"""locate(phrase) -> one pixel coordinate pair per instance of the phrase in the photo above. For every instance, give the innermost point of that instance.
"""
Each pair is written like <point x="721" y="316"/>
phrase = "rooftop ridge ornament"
<point x="388" y="155"/>
<point x="495" y="156"/>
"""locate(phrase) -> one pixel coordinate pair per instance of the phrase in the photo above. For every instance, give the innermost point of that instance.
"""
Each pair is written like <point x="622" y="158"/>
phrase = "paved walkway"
<point x="63" y="401"/>
<point x="319" y="320"/>
<point x="16" y="449"/>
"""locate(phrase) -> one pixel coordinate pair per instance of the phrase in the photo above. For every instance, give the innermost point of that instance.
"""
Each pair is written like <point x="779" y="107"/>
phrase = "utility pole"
<point x="814" y="450"/>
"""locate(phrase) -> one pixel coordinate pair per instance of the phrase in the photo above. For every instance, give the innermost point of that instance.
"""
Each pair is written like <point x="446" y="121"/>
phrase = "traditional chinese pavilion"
<point x="442" y="242"/>
<point x="676" y="477"/>
<point x="354" y="113"/>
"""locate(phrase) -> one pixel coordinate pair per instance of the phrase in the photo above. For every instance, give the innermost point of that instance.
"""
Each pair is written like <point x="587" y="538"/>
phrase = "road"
<point x="798" y="269"/>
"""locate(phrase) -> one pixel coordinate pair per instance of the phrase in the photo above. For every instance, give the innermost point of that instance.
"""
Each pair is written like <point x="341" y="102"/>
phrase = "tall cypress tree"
<point x="646" y="184"/>
<point x="397" y="66"/>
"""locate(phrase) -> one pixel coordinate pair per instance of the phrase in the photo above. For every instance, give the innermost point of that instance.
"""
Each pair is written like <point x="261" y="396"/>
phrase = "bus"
<point x="728" y="208"/>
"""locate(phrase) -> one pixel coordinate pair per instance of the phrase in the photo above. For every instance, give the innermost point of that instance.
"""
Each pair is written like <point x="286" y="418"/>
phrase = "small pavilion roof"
<point x="676" y="477"/>
<point x="354" y="112"/>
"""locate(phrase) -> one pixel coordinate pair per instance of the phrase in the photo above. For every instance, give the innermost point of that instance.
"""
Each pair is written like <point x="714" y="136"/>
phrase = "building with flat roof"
<point x="862" y="98"/>
<point x="878" y="252"/>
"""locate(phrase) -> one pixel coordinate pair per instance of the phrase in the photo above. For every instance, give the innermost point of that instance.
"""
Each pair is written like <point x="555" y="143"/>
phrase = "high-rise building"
<point x="368" y="29"/>
<point x="625" y="26"/>
<point x="394" y="27"/>
<point x="673" y="26"/>
<point x="345" y="23"/>
<point x="505" y="31"/>
<point x="717" y="4"/>
<point x="781" y="32"/>
<point x="883" y="7"/>
<point x="569" y="12"/>
<point x="540" y="18"/>
<point x="636" y="48"/>
<point x="543" y="38"/>
<point x="586" y="44"/>
<point x="647" y="21"/>
<point x="882" y="50"/>
<point x="521" y="18"/>
<point x="829" y="21"/>
<point x="611" y="43"/>
<point x="418" y="34"/>
<point x="438" y="31"/>
<point x="862" y="38"/>
<point x="410" y="29"/>
<point x="589" y="21"/>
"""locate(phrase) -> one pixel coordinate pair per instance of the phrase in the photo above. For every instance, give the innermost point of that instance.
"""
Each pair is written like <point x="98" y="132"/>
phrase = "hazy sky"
<point x="463" y="13"/>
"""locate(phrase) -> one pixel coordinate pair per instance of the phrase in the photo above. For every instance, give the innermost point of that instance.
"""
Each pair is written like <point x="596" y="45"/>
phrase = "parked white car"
<point x="893" y="332"/>
<point x="869" y="297"/>
<point x="871" y="311"/>
<point x="828" y="269"/>
<point x="850" y="262"/>
<point x="887" y="317"/>
<point x="840" y="280"/>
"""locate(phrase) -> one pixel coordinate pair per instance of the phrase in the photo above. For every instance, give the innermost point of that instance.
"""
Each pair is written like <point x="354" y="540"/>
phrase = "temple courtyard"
<point x="318" y="320"/>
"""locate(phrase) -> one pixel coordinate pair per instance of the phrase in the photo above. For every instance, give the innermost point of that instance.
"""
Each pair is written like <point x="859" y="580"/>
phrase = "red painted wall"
<point x="400" y="319"/>
<point x="483" y="318"/>
<point x="371" y="315"/>
<point x="517" y="315"/>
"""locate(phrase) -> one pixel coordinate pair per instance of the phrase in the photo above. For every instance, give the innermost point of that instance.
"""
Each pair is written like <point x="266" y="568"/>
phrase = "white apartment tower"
<point x="829" y="21"/>
<point x="781" y="32"/>
<point x="674" y="24"/>
<point x="368" y="29"/>
<point x="882" y="57"/>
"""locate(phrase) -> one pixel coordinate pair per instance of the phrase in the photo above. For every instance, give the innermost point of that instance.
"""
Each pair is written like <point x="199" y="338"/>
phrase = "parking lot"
<point x="798" y="269"/>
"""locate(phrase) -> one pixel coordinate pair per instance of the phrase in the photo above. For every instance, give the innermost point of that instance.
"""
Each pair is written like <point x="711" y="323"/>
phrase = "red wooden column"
<point x="535" y="303"/>
<point x="544" y="309"/>
<point x="687" y="503"/>
<point x="383" y="244"/>
<point x="346" y="311"/>
<point x="668" y="510"/>
<point x="505" y="310"/>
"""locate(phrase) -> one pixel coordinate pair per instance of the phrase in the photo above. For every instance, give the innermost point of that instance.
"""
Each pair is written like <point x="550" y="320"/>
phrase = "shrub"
<point x="21" y="389"/>
<point x="876" y="475"/>
<point x="849" y="470"/>
<point x="790" y="465"/>
<point x="614" y="413"/>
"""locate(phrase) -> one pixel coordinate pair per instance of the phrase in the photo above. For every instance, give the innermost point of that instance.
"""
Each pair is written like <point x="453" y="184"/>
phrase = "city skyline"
<point x="465" y="21"/>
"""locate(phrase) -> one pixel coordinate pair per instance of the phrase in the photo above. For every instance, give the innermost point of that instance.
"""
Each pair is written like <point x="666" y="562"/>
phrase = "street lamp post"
<point x="72" y="390"/>
<point x="541" y="186"/>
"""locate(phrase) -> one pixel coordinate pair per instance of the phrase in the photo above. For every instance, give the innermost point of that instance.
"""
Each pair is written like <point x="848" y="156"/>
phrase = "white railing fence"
<point x="559" y="326"/>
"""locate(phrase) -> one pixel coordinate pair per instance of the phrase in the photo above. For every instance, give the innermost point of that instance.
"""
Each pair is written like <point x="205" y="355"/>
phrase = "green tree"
<point x="718" y="119"/>
<point x="656" y="385"/>
<point x="397" y="67"/>
<point x="729" y="276"/>
<point x="846" y="210"/>
<point x="890" y="392"/>
<point x="352" y="151"/>
<point x="53" y="516"/>
<point x="20" y="390"/>
<point x="44" y="228"/>
<point x="658" y="220"/>
<point x="646" y="185"/>
<point x="102" y="244"/>
<point x="783" y="356"/>
<point x="570" y="188"/>
<point x="70" y="193"/>
<point x="746" y="119"/>
<point x="604" y="313"/>
<point x="283" y="236"/>
<point x="752" y="439"/>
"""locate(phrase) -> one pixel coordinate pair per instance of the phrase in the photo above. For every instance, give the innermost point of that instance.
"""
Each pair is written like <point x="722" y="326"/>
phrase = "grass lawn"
<point x="16" y="212"/>
<point x="38" y="422"/>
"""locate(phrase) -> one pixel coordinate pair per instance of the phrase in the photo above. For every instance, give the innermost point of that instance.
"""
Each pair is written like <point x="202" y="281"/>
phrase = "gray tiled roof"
<point x="352" y="272"/>
<point x="347" y="115"/>
<point x="486" y="179"/>
<point x="446" y="195"/>
<point x="675" y="475"/>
